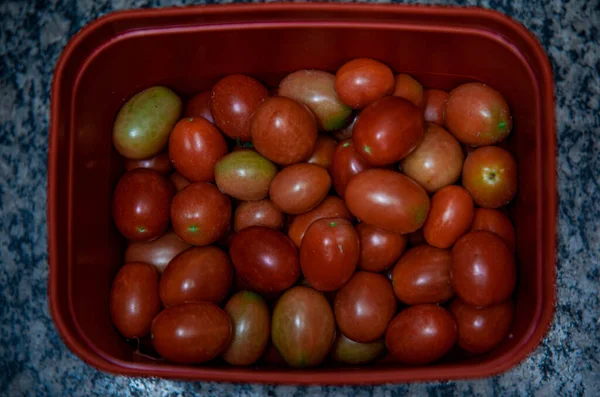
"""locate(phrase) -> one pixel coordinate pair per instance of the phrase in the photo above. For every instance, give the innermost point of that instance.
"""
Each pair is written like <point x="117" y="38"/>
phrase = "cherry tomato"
<point x="303" y="327"/>
<point x="449" y="217"/>
<point x="159" y="163"/>
<point x="134" y="299"/>
<point x="483" y="269"/>
<point x="178" y="180"/>
<point x="245" y="175"/>
<point x="480" y="330"/>
<point x="234" y="99"/>
<point x="477" y="115"/>
<point x="345" y="164"/>
<point x="283" y="130"/>
<point x="436" y="161"/>
<point x="434" y="103"/>
<point x="299" y="188"/>
<point x="257" y="213"/>
<point x="496" y="222"/>
<point x="157" y="253"/>
<point x="199" y="106"/>
<point x="251" y="328"/>
<point x="140" y="206"/>
<point x="490" y="175"/>
<point x="387" y="130"/>
<point x="191" y="333"/>
<point x="266" y="259"/>
<point x="362" y="81"/>
<point x="378" y="249"/>
<point x="422" y="275"/>
<point x="347" y="351"/>
<point x="387" y="200"/>
<point x="421" y="334"/>
<point x="364" y="307"/>
<point x="409" y="88"/>
<point x="323" y="152"/>
<point x="330" y="207"/>
<point x="200" y="213"/>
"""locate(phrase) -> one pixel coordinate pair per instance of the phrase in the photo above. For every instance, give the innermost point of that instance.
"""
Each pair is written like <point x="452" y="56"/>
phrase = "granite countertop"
<point x="34" y="359"/>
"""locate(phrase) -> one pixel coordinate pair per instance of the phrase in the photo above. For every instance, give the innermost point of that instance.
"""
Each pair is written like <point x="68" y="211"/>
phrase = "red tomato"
<point x="257" y="213"/>
<point x="362" y="81"/>
<point x="323" y="152"/>
<point x="329" y="253"/>
<point x="331" y="207"/>
<point x="496" y="222"/>
<point x="449" y="217"/>
<point x="178" y="180"/>
<point x="159" y="163"/>
<point x="409" y="88"/>
<point x="345" y="164"/>
<point x="299" y="188"/>
<point x="157" y="253"/>
<point x="434" y="103"/>
<point x="378" y="249"/>
<point x="199" y="106"/>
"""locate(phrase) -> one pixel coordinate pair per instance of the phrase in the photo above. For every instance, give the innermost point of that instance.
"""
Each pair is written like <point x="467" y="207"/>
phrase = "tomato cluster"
<point x="337" y="216"/>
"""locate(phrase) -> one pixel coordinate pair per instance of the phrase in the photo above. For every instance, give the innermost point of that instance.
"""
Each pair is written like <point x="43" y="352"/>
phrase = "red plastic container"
<point x="188" y="49"/>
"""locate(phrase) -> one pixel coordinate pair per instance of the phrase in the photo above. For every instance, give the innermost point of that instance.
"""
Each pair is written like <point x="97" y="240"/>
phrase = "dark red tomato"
<point x="178" y="180"/>
<point x="245" y="175"/>
<point x="200" y="213"/>
<point x="421" y="334"/>
<point x="197" y="274"/>
<point x="483" y="269"/>
<point x="387" y="130"/>
<point x="345" y="164"/>
<point x="199" y="106"/>
<point x="299" y="188"/>
<point x="251" y="321"/>
<point x="364" y="307"/>
<point x="490" y="175"/>
<point x="266" y="259"/>
<point x="157" y="253"/>
<point x="345" y="133"/>
<point x="331" y="207"/>
<point x="159" y="163"/>
<point x="449" y="217"/>
<point x="283" y="130"/>
<point x="480" y="330"/>
<point x="422" y="275"/>
<point x="434" y="103"/>
<point x="329" y="253"/>
<point x="191" y="333"/>
<point x="408" y="88"/>
<point x="477" y="115"/>
<point x="437" y="160"/>
<point x="347" y="351"/>
<point x="496" y="222"/>
<point x="323" y="151"/>
<point x="234" y="99"/>
<point x="134" y="299"/>
<point x="362" y="81"/>
<point x="378" y="249"/>
<point x="257" y="213"/>
<point x="387" y="200"/>
<point x="303" y="327"/>
<point x="195" y="146"/>
<point x="140" y="206"/>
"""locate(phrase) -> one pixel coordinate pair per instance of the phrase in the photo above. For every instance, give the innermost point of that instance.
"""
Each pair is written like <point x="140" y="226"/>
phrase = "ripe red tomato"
<point x="299" y="188"/>
<point x="379" y="249"/>
<point x="409" y="88"/>
<point x="178" y="180"/>
<point x="323" y="151"/>
<point x="159" y="163"/>
<point x="434" y="104"/>
<point x="345" y="164"/>
<point x="496" y="222"/>
<point x="331" y="207"/>
<point x="199" y="106"/>
<point x="449" y="217"/>
<point x="157" y="253"/>
<point x="362" y="81"/>
<point x="257" y="213"/>
<point x="245" y="175"/>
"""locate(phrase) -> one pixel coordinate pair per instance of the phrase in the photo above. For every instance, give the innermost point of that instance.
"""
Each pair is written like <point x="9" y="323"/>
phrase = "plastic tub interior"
<point x="189" y="49"/>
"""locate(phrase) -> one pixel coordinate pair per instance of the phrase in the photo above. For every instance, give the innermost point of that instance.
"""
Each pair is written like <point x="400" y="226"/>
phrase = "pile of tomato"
<point x="351" y="217"/>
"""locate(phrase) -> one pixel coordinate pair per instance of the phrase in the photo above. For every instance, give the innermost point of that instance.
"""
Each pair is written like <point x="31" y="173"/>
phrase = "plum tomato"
<point x="345" y="164"/>
<point x="330" y="207"/>
<point x="450" y="216"/>
<point x="434" y="104"/>
<point x="323" y="152"/>
<point x="409" y="88"/>
<point x="496" y="222"/>
<point x="257" y="213"/>
<point x="245" y="175"/>
<point x="362" y="81"/>
<point x="159" y="163"/>
<point x="157" y="253"/>
<point x="199" y="106"/>
<point x="299" y="188"/>
<point x="379" y="249"/>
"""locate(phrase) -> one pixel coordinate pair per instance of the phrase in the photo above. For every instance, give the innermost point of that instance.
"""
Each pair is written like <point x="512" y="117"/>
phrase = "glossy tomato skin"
<point x="490" y="175"/>
<point x="421" y="334"/>
<point x="323" y="151"/>
<point x="477" y="115"/>
<point x="329" y="253"/>
<point x="191" y="333"/>
<point x="450" y="216"/>
<point x="345" y="164"/>
<point x="245" y="175"/>
<point x="387" y="130"/>
<point x="140" y="206"/>
<point x="379" y="249"/>
<point x="157" y="253"/>
<point x="199" y="106"/>
<point x="159" y="163"/>
<point x="299" y="188"/>
<point x="197" y="274"/>
<point x="364" y="307"/>
<point x="387" y="200"/>
<point x="480" y="330"/>
<point x="436" y="161"/>
<point x="234" y="99"/>
<point x="200" y="214"/>
<point x="347" y="351"/>
<point x="266" y="259"/>
<point x="496" y="222"/>
<point x="362" y="81"/>
<point x="422" y="275"/>
<point x="330" y="207"/>
<point x="178" y="180"/>
<point x="434" y="104"/>
<point x="303" y="327"/>
<point x="251" y="322"/>
<point x="409" y="88"/>
<point x="134" y="299"/>
<point x="257" y="213"/>
<point x="483" y="269"/>
<point x="283" y="130"/>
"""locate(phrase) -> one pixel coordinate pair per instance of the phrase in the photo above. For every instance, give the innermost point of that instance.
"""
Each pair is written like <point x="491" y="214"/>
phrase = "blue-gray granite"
<point x="35" y="361"/>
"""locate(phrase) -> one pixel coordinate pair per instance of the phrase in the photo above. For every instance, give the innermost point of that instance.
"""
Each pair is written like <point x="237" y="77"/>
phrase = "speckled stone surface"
<point x="33" y="358"/>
